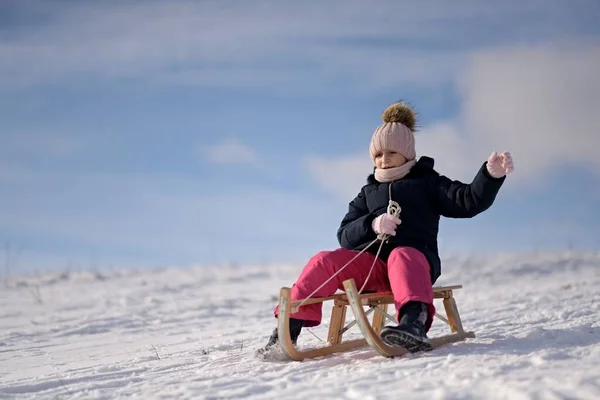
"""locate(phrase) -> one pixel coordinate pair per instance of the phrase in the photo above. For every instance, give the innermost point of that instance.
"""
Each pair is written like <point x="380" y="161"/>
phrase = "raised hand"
<point x="499" y="165"/>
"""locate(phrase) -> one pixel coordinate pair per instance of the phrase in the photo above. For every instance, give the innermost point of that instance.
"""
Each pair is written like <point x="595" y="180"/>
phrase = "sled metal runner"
<point x="377" y="303"/>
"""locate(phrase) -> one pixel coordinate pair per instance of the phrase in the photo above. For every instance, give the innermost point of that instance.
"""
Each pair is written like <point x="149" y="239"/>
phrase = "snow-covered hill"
<point x="191" y="333"/>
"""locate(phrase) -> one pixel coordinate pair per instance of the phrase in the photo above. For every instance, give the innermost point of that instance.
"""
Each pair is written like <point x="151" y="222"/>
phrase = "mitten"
<point x="385" y="224"/>
<point x="499" y="165"/>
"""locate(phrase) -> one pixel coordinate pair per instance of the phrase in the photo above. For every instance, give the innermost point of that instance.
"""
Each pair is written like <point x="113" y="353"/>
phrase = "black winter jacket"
<point x="424" y="196"/>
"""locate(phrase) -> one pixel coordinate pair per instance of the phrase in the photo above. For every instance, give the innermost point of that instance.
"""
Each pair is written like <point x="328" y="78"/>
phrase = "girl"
<point x="406" y="261"/>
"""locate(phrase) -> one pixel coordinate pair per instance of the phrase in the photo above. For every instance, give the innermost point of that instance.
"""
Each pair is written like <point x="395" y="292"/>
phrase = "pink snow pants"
<point x="406" y="274"/>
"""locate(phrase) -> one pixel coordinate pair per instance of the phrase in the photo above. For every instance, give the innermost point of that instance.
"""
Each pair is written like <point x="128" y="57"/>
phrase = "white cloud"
<point x="231" y="151"/>
<point x="267" y="43"/>
<point x="538" y="102"/>
<point x="343" y="176"/>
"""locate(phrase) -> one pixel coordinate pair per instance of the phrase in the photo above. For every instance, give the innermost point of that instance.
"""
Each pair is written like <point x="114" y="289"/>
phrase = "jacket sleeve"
<point x="460" y="200"/>
<point x="355" y="228"/>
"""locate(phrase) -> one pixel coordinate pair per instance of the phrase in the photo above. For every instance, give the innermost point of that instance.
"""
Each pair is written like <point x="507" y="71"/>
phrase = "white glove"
<point x="385" y="224"/>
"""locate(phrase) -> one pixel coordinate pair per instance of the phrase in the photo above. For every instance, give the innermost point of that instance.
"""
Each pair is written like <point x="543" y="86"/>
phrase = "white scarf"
<point x="392" y="174"/>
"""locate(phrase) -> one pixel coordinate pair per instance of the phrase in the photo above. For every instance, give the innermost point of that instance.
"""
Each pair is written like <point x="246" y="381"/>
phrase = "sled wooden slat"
<point x="439" y="292"/>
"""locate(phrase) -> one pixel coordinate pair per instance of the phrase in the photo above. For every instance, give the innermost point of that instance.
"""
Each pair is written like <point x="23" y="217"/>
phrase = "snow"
<point x="192" y="332"/>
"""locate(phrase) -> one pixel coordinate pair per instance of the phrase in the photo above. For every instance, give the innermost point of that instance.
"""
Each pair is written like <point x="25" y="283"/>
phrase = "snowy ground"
<point x="191" y="333"/>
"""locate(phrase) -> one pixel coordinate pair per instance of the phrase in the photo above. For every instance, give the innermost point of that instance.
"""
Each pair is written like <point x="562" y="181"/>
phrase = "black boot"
<point x="410" y="333"/>
<point x="295" y="328"/>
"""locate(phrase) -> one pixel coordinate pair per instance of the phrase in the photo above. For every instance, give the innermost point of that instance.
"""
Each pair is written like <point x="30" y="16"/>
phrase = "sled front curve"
<point x="285" y="340"/>
<point x="371" y="337"/>
<point x="374" y="339"/>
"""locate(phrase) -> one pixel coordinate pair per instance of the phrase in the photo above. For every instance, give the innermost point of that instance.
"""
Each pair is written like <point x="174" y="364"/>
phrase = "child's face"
<point x="389" y="159"/>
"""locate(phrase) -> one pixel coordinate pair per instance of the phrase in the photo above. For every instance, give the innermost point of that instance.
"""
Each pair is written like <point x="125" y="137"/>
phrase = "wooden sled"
<point x="377" y="303"/>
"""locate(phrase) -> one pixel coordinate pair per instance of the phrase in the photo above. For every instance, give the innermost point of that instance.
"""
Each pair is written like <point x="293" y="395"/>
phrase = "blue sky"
<point x="177" y="133"/>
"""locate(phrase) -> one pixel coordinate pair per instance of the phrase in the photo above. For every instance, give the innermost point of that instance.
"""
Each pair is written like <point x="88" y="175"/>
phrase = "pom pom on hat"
<point x="396" y="132"/>
<point x="401" y="113"/>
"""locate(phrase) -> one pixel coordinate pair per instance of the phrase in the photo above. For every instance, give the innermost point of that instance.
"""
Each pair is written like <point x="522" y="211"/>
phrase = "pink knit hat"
<point x="396" y="132"/>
